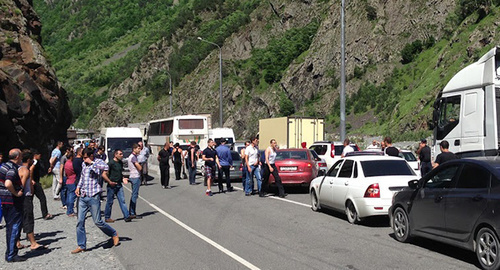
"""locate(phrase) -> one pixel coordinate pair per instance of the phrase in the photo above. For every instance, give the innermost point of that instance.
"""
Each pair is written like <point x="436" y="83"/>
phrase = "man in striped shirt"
<point x="89" y="191"/>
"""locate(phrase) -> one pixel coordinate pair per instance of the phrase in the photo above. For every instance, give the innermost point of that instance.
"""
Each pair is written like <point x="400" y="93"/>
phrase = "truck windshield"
<point x="124" y="144"/>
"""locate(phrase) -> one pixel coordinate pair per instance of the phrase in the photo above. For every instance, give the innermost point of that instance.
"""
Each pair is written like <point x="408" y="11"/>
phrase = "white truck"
<point x="466" y="111"/>
<point x="120" y="138"/>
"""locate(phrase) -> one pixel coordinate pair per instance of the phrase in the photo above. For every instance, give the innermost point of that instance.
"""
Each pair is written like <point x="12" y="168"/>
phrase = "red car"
<point x="295" y="167"/>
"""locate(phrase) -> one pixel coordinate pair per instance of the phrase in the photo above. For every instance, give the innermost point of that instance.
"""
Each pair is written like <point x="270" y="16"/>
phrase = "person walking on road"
<point x="192" y="157"/>
<point x="35" y="170"/>
<point x="225" y="163"/>
<point x="70" y="173"/>
<point x="89" y="191"/>
<point x="115" y="186"/>
<point x="55" y="163"/>
<point x="446" y="154"/>
<point x="252" y="162"/>
<point x="134" y="178"/>
<point x="209" y="155"/>
<point x="177" y="158"/>
<point x="11" y="196"/>
<point x="163" y="158"/>
<point x="270" y="168"/>
<point x="424" y="155"/>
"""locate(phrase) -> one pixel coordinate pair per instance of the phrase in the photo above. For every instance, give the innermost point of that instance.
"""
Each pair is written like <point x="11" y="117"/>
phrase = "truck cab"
<point x="466" y="110"/>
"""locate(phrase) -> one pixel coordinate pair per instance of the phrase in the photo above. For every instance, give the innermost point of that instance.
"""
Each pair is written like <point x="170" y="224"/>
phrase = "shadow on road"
<point x="447" y="250"/>
<point x="372" y="222"/>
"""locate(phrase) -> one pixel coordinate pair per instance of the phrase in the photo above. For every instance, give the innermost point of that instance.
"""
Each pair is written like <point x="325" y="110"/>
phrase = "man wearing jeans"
<point x="115" y="187"/>
<point x="252" y="161"/>
<point x="55" y="163"/>
<point x="89" y="191"/>
<point x="135" y="179"/>
<point x="225" y="163"/>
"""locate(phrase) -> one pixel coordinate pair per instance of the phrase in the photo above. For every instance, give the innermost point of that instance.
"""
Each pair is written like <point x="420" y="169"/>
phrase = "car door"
<point x="341" y="184"/>
<point x="326" y="189"/>
<point x="427" y="209"/>
<point x="467" y="201"/>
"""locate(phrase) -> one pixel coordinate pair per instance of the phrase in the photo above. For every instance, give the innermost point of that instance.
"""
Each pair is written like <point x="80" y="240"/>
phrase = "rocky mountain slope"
<point x="388" y="94"/>
<point x="34" y="108"/>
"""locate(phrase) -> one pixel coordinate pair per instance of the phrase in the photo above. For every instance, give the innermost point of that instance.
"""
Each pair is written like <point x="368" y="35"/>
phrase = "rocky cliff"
<point x="34" y="108"/>
<point x="370" y="41"/>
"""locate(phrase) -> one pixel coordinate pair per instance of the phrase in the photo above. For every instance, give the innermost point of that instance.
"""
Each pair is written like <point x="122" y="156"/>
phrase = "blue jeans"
<point x="136" y="182"/>
<point x="111" y="191"/>
<point x="255" y="170"/>
<point x="244" y="173"/>
<point x="70" y="202"/>
<point x="13" y="215"/>
<point x="192" y="175"/>
<point x="92" y="204"/>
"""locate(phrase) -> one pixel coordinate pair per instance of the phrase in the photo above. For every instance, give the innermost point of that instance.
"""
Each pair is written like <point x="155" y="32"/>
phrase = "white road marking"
<point x="201" y="236"/>
<point x="282" y="199"/>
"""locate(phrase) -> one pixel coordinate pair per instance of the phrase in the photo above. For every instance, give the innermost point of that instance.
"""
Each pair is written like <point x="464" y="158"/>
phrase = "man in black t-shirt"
<point x="38" y="189"/>
<point x="163" y="158"/>
<point x="115" y="182"/>
<point x="209" y="155"/>
<point x="445" y="155"/>
<point x="389" y="149"/>
<point x="424" y="155"/>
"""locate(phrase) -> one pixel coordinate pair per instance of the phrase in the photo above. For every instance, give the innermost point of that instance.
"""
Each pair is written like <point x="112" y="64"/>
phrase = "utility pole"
<point x="342" y="72"/>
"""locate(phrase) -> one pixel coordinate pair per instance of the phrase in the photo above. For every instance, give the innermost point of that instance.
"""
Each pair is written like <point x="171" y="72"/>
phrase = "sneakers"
<point x="283" y="195"/>
<point x="18" y="259"/>
<point x="168" y="187"/>
<point x="208" y="193"/>
<point x="129" y="219"/>
<point x="109" y="220"/>
<point x="163" y="187"/>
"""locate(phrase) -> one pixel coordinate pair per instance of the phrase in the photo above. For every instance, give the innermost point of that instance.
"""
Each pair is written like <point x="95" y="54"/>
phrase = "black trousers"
<point x="425" y="168"/>
<point x="178" y="168"/>
<point x="164" y="174"/>
<point x="277" y="180"/>
<point x="224" y="170"/>
<point x="41" y="196"/>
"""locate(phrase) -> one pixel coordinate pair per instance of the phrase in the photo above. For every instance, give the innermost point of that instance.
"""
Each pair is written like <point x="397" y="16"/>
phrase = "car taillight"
<point x="332" y="153"/>
<point x="373" y="191"/>
<point x="309" y="165"/>
<point x="322" y="164"/>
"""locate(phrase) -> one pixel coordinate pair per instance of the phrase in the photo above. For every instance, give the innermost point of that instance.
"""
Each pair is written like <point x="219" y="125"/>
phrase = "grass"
<point x="46" y="181"/>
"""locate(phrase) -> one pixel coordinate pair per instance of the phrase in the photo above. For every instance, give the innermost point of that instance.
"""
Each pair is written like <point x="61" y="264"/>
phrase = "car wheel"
<point x="487" y="249"/>
<point x="352" y="214"/>
<point x="314" y="201"/>
<point x="401" y="225"/>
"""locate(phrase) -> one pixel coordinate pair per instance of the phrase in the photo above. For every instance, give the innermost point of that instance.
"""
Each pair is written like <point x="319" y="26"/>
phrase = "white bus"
<point x="180" y="129"/>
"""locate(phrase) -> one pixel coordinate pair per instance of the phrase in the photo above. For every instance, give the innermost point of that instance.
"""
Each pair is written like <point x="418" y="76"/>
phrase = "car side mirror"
<point x="321" y="173"/>
<point x="413" y="184"/>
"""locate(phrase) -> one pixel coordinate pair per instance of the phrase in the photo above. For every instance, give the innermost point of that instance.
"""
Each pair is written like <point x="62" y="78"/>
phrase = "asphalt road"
<point x="182" y="228"/>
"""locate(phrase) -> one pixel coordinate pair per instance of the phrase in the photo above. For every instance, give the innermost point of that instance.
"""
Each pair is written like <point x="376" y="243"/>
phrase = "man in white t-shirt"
<point x="347" y="148"/>
<point x="252" y="163"/>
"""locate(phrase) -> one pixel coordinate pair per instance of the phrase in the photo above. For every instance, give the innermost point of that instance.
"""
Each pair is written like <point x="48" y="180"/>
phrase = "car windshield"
<point x="300" y="155"/>
<point x="385" y="167"/>
<point x="408" y="156"/>
<point x="124" y="144"/>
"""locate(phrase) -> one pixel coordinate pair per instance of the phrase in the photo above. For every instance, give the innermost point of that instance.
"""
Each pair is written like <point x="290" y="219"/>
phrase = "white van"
<point x="217" y="134"/>
<point x="120" y="138"/>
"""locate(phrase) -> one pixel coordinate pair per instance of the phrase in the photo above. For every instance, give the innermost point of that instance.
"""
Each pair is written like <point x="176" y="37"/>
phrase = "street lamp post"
<point x="170" y="91"/>
<point x="220" y="79"/>
<point x="342" y="72"/>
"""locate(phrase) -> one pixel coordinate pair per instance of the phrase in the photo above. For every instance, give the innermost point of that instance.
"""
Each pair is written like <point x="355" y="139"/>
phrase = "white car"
<point x="330" y="151"/>
<point x="361" y="186"/>
<point x="412" y="160"/>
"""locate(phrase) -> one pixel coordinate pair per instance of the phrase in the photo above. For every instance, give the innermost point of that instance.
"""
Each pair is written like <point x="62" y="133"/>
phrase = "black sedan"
<point x="457" y="203"/>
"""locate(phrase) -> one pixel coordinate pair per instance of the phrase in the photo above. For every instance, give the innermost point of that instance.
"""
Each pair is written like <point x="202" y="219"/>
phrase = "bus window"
<point x="191" y="124"/>
<point x="166" y="127"/>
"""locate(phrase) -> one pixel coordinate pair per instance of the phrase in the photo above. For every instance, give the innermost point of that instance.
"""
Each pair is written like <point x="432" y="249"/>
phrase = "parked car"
<point x="330" y="151"/>
<point x="360" y="185"/>
<point x="320" y="162"/>
<point x="234" y="173"/>
<point x="412" y="160"/>
<point x="457" y="203"/>
<point x="295" y="167"/>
